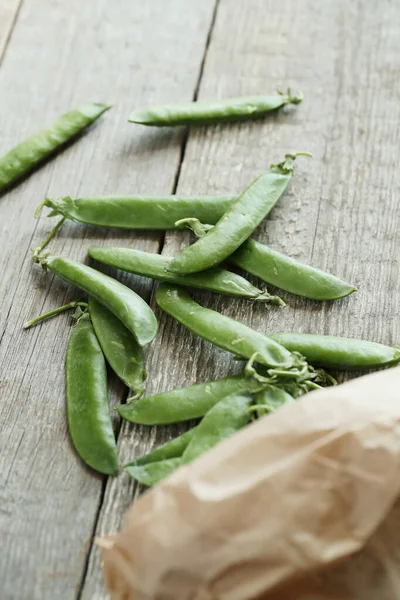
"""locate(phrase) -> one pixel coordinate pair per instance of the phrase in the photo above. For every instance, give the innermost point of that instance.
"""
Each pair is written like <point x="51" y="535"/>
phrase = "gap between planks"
<point x="161" y="245"/>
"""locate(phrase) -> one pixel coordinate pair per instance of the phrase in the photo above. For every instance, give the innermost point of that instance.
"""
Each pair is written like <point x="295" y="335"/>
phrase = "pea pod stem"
<point x="54" y="312"/>
<point x="47" y="240"/>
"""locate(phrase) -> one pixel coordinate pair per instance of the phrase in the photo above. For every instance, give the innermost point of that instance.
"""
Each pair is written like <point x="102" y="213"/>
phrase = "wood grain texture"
<point x="8" y="16"/>
<point x="340" y="212"/>
<point x="129" y="54"/>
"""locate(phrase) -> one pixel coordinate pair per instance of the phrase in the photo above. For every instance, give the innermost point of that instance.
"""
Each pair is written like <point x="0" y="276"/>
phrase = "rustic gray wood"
<point x="8" y="15"/>
<point x="128" y="53"/>
<point x="340" y="213"/>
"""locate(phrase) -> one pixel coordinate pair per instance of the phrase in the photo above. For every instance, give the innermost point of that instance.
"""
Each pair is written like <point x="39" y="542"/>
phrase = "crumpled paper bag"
<point x="303" y="504"/>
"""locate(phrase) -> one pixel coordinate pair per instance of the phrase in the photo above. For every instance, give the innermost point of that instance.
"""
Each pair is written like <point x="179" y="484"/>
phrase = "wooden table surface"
<point x="341" y="213"/>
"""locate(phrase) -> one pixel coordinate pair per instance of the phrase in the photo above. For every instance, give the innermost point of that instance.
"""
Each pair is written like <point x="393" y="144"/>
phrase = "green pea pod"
<point x="337" y="352"/>
<point x="22" y="159"/>
<point x="222" y="420"/>
<point x="238" y="223"/>
<point x="172" y="449"/>
<point x="120" y="348"/>
<point x="185" y="403"/>
<point x="270" y="399"/>
<point x="152" y="473"/>
<point x="217" y="111"/>
<point x="280" y="270"/>
<point x="88" y="411"/>
<point x="127" y="306"/>
<point x="220" y="330"/>
<point x="155" y="266"/>
<point x="139" y="212"/>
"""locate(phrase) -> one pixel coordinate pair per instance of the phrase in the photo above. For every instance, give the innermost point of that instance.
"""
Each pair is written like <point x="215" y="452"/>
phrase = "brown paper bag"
<point x="301" y="505"/>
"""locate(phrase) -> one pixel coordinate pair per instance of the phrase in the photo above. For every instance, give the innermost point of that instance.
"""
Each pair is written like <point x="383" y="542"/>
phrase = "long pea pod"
<point x="120" y="348"/>
<point x="280" y="270"/>
<point x="220" y="330"/>
<point x="221" y="421"/>
<point x="172" y="449"/>
<point x="123" y="302"/>
<point x="155" y="266"/>
<point x="22" y="159"/>
<point x="88" y="411"/>
<point x="338" y="352"/>
<point x="239" y="222"/>
<point x="151" y="473"/>
<point x="185" y="403"/>
<point x="138" y="212"/>
<point x="217" y="111"/>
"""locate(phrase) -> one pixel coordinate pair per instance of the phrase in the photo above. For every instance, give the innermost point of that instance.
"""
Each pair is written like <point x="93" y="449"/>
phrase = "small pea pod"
<point x="239" y="222"/>
<point x="337" y="352"/>
<point x="185" y="403"/>
<point x="22" y="159"/>
<point x="138" y="212"/>
<point x="222" y="420"/>
<point x="220" y="330"/>
<point x="280" y="270"/>
<point x="151" y="473"/>
<point x="123" y="302"/>
<point x="172" y="449"/>
<point x="155" y="266"/>
<point x="120" y="348"/>
<point x="88" y="411"/>
<point x="217" y="111"/>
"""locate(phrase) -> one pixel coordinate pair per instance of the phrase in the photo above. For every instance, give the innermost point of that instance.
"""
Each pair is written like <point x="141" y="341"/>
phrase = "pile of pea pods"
<point x="115" y="324"/>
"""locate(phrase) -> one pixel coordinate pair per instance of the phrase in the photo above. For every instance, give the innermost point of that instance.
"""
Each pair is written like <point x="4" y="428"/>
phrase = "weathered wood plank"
<point x="127" y="53"/>
<point x="8" y="16"/>
<point x="340" y="212"/>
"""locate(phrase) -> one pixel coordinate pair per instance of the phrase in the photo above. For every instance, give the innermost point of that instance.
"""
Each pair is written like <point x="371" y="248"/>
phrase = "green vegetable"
<point x="155" y="266"/>
<point x="22" y="159"/>
<point x="120" y="348"/>
<point x="222" y="420"/>
<point x="217" y="111"/>
<point x="151" y="473"/>
<point x="172" y="449"/>
<point x="139" y="212"/>
<point x="88" y="411"/>
<point x="338" y="352"/>
<point x="238" y="223"/>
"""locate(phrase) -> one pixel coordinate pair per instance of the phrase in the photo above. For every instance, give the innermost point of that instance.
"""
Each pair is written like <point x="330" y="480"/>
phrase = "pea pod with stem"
<point x="223" y="331"/>
<point x="122" y="351"/>
<point x="217" y="111"/>
<point x="22" y="159"/>
<point x="239" y="222"/>
<point x="280" y="270"/>
<point x="88" y="411"/>
<point x="155" y="266"/>
<point x="123" y="302"/>
<point x="338" y="352"/>
<point x="138" y="212"/>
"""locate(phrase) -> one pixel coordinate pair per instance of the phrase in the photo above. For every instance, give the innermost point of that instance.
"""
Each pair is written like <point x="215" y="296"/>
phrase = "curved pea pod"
<point x="172" y="449"/>
<point x="139" y="212"/>
<point x="289" y="274"/>
<point x="220" y="330"/>
<point x="338" y="352"/>
<point x="151" y="473"/>
<point x="22" y="159"/>
<point x="238" y="223"/>
<point x="88" y="411"/>
<point x="123" y="302"/>
<point x="155" y="266"/>
<point x="185" y="403"/>
<point x="120" y="348"/>
<point x="222" y="420"/>
<point x="217" y="111"/>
